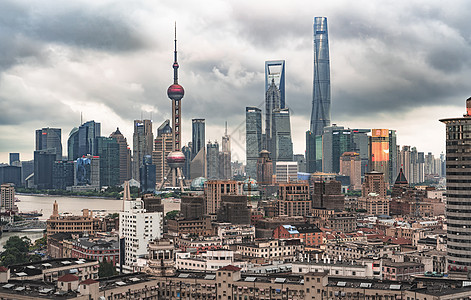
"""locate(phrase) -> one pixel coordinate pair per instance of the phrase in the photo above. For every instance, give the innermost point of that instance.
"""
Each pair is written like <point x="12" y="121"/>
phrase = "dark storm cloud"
<point x="26" y="28"/>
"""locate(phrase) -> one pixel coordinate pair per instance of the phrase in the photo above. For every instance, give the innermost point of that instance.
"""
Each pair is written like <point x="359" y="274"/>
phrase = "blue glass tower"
<point x="320" y="115"/>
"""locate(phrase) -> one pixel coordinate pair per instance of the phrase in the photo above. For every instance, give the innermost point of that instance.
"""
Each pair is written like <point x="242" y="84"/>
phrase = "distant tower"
<point x="275" y="70"/>
<point x="176" y="158"/>
<point x="253" y="138"/>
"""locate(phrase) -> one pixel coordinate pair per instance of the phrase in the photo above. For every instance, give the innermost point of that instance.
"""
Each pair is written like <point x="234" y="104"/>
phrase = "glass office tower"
<point x="253" y="138"/>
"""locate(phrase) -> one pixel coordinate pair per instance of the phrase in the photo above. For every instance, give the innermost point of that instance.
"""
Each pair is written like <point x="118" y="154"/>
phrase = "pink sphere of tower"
<point x="176" y="159"/>
<point x="175" y="92"/>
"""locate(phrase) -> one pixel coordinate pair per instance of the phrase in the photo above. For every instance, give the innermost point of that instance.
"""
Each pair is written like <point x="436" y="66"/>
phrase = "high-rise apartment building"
<point x="212" y="159"/>
<point x="198" y="141"/>
<point x="282" y="144"/>
<point x="7" y="196"/>
<point x="108" y="151"/>
<point x="253" y="139"/>
<point x="124" y="156"/>
<point x="163" y="145"/>
<point x="50" y="138"/>
<point x="458" y="186"/>
<point x="275" y="72"/>
<point x="143" y="140"/>
<point x="320" y="114"/>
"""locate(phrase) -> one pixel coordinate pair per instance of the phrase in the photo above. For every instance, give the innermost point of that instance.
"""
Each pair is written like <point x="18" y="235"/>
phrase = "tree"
<point x="106" y="269"/>
<point x="171" y="215"/>
<point x="16" y="251"/>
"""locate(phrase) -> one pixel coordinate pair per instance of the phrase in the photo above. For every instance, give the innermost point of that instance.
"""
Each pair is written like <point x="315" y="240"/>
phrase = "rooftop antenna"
<point x="81" y="119"/>
<point x="225" y="132"/>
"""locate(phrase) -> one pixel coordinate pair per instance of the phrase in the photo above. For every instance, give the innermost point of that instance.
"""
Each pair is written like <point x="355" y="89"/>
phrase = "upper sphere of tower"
<point x="175" y="92"/>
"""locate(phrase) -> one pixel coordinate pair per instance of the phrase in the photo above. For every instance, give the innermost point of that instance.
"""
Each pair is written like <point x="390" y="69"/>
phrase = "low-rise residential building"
<point x="267" y="250"/>
<point x="100" y="249"/>
<point x="310" y="235"/>
<point x="199" y="227"/>
<point x="234" y="234"/>
<point x="361" y="268"/>
<point x="209" y="261"/>
<point x="401" y="271"/>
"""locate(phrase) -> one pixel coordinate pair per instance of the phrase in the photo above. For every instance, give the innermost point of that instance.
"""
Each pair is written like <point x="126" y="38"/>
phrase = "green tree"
<point x="106" y="269"/>
<point x="171" y="215"/>
<point x="16" y="251"/>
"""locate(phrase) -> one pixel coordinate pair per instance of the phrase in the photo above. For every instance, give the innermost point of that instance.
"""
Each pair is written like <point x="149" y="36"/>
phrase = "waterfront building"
<point x="87" y="172"/>
<point x="458" y="185"/>
<point x="73" y="144"/>
<point x="7" y="197"/>
<point x="43" y="164"/>
<point x="87" y="134"/>
<point x="253" y="139"/>
<point x="143" y="140"/>
<point x="49" y="138"/>
<point x="11" y="174"/>
<point x="124" y="156"/>
<point x="62" y="174"/>
<point x="70" y="224"/>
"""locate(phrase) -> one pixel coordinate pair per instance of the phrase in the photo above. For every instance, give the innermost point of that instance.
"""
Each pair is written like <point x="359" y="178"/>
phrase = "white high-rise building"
<point x="7" y="196"/>
<point x="137" y="227"/>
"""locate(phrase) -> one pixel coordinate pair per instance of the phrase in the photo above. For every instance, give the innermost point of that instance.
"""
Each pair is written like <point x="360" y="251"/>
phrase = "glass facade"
<point x="320" y="116"/>
<point x="253" y="139"/>
<point x="197" y="136"/>
<point x="272" y="102"/>
<point x="108" y="151"/>
<point x="275" y="70"/>
<point x="282" y="144"/>
<point x="379" y="152"/>
<point x="50" y="138"/>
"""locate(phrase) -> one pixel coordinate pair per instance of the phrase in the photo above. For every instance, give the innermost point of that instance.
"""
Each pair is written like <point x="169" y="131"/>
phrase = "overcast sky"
<point x="394" y="65"/>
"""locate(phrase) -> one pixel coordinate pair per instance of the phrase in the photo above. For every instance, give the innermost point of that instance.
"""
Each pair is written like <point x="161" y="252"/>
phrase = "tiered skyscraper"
<point x="458" y="187"/>
<point x="320" y="115"/>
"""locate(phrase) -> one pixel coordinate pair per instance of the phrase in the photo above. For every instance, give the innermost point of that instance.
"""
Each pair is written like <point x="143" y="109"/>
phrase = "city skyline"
<point x="398" y="67"/>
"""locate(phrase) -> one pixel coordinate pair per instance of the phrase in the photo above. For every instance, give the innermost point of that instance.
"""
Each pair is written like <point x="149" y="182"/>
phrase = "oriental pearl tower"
<point x="176" y="158"/>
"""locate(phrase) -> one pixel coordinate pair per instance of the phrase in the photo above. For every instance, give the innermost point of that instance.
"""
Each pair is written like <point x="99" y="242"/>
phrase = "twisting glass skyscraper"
<point x="320" y="116"/>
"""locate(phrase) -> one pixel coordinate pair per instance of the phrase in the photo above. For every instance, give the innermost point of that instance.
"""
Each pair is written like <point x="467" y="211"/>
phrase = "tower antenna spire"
<point x="175" y="63"/>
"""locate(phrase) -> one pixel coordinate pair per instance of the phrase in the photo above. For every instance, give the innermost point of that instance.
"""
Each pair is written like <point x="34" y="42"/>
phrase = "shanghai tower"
<point x="320" y="115"/>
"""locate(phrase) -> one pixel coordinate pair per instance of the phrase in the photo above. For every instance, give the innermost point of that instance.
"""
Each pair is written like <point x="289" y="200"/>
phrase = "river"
<point x="72" y="205"/>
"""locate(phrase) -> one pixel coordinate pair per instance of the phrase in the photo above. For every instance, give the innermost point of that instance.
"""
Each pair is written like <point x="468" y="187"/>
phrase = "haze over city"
<point x="394" y="64"/>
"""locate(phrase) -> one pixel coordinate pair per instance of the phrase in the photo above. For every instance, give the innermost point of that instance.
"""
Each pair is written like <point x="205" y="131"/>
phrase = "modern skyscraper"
<point x="320" y="116"/>
<point x="147" y="175"/>
<point x="43" y="164"/>
<point x="383" y="153"/>
<point x="212" y="159"/>
<point x="14" y="157"/>
<point x="458" y="185"/>
<point x="253" y="139"/>
<point x="336" y="140"/>
<point x="87" y="171"/>
<point x="186" y="167"/>
<point x="62" y="174"/>
<point x="108" y="151"/>
<point x="360" y="145"/>
<point x="163" y="145"/>
<point x="281" y="136"/>
<point x="275" y="71"/>
<point x="87" y="134"/>
<point x="225" y="157"/>
<point x="197" y="136"/>
<point x="143" y="140"/>
<point x="73" y="144"/>
<point x="124" y="156"/>
<point x="272" y="103"/>
<point x="49" y="138"/>
<point x="10" y="174"/>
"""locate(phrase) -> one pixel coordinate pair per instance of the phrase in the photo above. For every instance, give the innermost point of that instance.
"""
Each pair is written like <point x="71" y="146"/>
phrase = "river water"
<point x="72" y="205"/>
